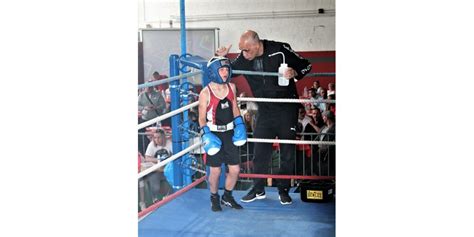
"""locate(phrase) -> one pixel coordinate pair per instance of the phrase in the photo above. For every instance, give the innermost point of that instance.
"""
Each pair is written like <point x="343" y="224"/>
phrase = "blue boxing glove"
<point x="212" y="144"/>
<point x="240" y="133"/>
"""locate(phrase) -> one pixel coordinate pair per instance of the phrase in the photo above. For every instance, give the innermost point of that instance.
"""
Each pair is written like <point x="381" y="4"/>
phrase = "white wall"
<point x="315" y="32"/>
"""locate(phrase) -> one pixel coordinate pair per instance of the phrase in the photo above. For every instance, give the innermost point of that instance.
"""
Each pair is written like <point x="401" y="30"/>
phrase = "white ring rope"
<point x="283" y="100"/>
<point x="167" y="115"/>
<point x="170" y="79"/>
<point x="304" y="142"/>
<point x="171" y="158"/>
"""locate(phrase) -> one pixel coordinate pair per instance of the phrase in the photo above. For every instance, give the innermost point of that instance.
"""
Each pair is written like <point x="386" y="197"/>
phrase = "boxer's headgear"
<point x="213" y="68"/>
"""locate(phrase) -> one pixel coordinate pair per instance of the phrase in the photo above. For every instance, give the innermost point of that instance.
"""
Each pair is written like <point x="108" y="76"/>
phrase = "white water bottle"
<point x="282" y="81"/>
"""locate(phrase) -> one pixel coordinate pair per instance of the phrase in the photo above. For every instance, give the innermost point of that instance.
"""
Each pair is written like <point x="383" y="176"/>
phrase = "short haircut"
<point x="255" y="36"/>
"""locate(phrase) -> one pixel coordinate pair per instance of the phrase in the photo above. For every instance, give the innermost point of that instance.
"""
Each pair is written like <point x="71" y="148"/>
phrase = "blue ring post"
<point x="175" y="121"/>
<point x="182" y="22"/>
<point x="185" y="134"/>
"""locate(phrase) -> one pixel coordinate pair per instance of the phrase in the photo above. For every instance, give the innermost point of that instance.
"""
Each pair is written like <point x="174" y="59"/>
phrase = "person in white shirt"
<point x="331" y="88"/>
<point x="157" y="151"/>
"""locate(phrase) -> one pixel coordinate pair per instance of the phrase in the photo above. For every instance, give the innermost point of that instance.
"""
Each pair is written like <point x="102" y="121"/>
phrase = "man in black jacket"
<point x="273" y="119"/>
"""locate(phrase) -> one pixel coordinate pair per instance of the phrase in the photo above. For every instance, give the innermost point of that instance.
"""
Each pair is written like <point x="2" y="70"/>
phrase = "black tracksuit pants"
<point x="279" y="122"/>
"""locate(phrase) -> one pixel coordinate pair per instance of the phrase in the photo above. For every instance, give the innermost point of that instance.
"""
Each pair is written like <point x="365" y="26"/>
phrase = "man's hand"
<point x="290" y="73"/>
<point x="223" y="51"/>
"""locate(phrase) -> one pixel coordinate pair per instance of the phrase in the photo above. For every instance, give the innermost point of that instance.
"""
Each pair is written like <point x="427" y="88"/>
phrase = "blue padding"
<point x="190" y="215"/>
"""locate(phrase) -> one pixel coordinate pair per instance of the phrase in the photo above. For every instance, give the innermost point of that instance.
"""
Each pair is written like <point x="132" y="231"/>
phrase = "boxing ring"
<point x="186" y="212"/>
<point x="190" y="215"/>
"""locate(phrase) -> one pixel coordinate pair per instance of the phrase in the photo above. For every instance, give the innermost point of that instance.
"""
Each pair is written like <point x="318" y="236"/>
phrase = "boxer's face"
<point x="224" y="73"/>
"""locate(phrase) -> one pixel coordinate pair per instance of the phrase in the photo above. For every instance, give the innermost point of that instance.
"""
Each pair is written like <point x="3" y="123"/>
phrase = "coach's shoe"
<point x="230" y="202"/>
<point x="252" y="195"/>
<point x="215" y="204"/>
<point x="285" y="198"/>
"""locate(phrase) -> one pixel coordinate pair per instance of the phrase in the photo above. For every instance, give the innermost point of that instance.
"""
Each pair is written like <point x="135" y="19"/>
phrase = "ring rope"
<point x="284" y="100"/>
<point x="170" y="79"/>
<point x="274" y="176"/>
<point x="171" y="158"/>
<point x="279" y="176"/>
<point x="167" y="115"/>
<point x="315" y="74"/>
<point x="171" y="197"/>
<point x="321" y="74"/>
<point x="284" y="141"/>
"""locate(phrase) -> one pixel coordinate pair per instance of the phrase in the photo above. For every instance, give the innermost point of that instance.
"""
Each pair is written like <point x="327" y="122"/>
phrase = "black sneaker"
<point x="215" y="204"/>
<point x="230" y="202"/>
<point x="285" y="199"/>
<point x="252" y="195"/>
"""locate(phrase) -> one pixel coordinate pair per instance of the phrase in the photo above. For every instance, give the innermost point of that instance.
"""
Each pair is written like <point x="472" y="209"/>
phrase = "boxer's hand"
<point x="212" y="144"/>
<point x="240" y="133"/>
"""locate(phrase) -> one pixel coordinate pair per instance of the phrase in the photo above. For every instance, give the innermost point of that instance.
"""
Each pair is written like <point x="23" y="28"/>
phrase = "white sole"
<point x="257" y="197"/>
<point x="284" y="203"/>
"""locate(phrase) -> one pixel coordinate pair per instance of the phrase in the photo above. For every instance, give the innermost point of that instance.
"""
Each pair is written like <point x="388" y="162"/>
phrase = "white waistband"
<point x="221" y="128"/>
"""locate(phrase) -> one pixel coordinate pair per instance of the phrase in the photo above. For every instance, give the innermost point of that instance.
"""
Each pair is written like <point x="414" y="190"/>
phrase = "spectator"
<point x="193" y="121"/>
<point x="248" y="106"/>
<point x="331" y="106"/>
<point x="249" y="121"/>
<point x="307" y="122"/>
<point x="150" y="105"/>
<point x="301" y="152"/>
<point x="273" y="119"/>
<point x="322" y="96"/>
<point x="162" y="87"/>
<point x="316" y="87"/>
<point x="327" y="153"/>
<point x="303" y="120"/>
<point x="331" y="89"/>
<point x="164" y="90"/>
<point x="157" y="151"/>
